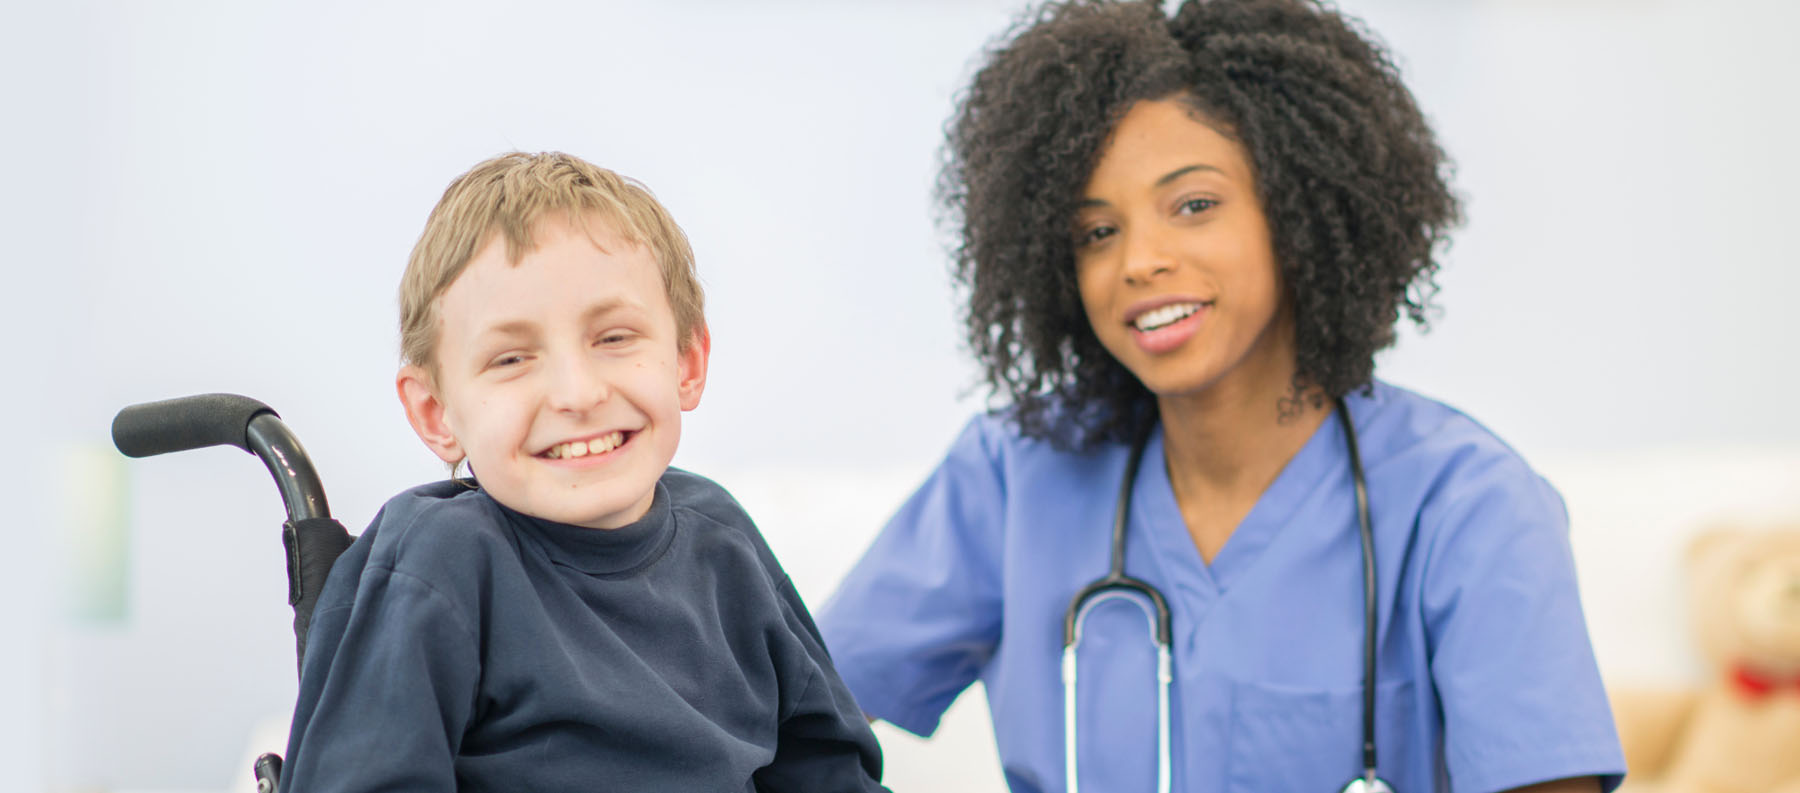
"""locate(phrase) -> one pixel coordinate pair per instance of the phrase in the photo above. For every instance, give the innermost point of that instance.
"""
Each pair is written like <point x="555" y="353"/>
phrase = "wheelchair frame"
<point x="312" y="539"/>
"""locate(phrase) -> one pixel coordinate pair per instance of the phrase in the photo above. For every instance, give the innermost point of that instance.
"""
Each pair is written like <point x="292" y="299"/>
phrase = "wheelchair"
<point x="312" y="539"/>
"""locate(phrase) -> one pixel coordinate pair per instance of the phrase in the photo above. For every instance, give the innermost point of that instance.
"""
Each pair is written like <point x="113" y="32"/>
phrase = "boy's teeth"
<point x="1151" y="320"/>
<point x="600" y="445"/>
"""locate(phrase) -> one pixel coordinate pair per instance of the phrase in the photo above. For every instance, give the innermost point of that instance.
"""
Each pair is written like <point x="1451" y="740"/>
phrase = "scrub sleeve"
<point x="917" y="619"/>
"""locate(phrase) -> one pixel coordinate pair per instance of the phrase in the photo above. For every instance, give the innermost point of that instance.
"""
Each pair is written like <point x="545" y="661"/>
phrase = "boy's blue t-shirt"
<point x="459" y="645"/>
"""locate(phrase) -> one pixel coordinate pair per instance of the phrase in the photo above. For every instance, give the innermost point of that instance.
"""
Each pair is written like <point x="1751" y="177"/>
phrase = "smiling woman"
<point x="1184" y="241"/>
<point x="1179" y="280"/>
<point x="1336" y="157"/>
<point x="1171" y="198"/>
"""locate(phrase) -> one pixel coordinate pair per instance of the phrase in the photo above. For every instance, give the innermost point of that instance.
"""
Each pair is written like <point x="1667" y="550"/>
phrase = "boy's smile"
<point x="560" y="378"/>
<point x="593" y="447"/>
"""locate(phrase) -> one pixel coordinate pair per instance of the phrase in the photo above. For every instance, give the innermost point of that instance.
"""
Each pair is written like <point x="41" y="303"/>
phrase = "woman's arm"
<point x="1510" y="656"/>
<point x="912" y="623"/>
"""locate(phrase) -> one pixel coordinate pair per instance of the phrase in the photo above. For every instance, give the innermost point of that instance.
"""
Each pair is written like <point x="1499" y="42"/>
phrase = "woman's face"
<point x="1174" y="260"/>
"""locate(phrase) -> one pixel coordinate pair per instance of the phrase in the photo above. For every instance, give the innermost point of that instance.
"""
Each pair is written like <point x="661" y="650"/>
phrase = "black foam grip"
<point x="175" y="425"/>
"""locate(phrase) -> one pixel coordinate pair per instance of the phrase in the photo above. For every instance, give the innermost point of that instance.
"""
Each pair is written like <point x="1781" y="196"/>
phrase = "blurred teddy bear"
<point x="1739" y="733"/>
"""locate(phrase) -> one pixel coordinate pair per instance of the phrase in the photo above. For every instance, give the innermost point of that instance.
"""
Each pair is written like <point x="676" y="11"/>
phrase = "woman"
<point x="1183" y="242"/>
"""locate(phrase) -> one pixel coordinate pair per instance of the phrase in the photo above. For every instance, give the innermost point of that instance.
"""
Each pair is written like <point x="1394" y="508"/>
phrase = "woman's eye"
<point x="1195" y="206"/>
<point x="1094" y="235"/>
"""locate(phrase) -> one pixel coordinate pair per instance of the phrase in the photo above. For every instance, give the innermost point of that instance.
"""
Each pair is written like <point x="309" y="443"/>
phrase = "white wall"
<point x="219" y="196"/>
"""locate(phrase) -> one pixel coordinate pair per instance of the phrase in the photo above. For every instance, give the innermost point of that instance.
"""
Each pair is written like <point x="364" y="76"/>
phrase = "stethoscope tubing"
<point x="1370" y="594"/>
<point x="1116" y="585"/>
<point x="1165" y="676"/>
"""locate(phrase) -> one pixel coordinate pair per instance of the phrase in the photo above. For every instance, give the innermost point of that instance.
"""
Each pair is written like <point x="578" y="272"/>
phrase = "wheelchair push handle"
<point x="183" y="423"/>
<point x="195" y="422"/>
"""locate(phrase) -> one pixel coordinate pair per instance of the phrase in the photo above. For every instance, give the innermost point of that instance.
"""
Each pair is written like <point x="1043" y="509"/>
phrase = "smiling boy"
<point x="579" y="616"/>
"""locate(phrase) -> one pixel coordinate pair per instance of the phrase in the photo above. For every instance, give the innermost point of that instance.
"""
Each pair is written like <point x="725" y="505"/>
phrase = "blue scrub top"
<point x="1487" y="680"/>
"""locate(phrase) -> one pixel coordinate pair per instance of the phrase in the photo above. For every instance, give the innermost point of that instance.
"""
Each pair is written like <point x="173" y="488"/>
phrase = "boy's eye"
<point x="612" y="338"/>
<point x="509" y="359"/>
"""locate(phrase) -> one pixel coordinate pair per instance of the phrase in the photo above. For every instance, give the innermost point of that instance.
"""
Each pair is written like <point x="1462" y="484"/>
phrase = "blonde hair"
<point x="509" y="195"/>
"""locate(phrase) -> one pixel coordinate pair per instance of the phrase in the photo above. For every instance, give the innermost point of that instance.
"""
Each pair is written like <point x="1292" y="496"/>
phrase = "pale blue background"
<point x="212" y="196"/>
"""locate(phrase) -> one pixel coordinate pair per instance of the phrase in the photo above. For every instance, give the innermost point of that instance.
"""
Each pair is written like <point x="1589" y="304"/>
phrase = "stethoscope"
<point x="1117" y="584"/>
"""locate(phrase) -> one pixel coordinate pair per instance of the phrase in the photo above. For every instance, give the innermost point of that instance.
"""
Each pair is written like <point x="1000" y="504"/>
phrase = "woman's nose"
<point x="1146" y="256"/>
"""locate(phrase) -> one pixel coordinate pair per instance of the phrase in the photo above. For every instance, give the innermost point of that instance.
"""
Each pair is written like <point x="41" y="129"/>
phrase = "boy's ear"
<point x="691" y="366"/>
<point x="425" y="412"/>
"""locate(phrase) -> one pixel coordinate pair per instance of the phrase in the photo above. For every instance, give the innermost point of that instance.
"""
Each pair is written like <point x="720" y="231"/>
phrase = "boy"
<point x="580" y="616"/>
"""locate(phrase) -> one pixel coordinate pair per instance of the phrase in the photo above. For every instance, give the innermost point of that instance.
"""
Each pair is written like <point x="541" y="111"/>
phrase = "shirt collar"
<point x="623" y="551"/>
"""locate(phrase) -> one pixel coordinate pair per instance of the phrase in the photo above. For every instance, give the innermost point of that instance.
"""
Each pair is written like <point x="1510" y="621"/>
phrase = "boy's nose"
<point x="576" y="385"/>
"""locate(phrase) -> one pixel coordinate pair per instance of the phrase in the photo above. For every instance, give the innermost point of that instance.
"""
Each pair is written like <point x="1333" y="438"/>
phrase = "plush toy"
<point x="1739" y="732"/>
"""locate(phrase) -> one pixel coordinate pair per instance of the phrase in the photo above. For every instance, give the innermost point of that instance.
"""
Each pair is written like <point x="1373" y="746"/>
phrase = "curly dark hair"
<point x="1353" y="184"/>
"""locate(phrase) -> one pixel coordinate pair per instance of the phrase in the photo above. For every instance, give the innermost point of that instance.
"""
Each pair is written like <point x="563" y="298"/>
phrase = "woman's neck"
<point x="1235" y="441"/>
<point x="1225" y="445"/>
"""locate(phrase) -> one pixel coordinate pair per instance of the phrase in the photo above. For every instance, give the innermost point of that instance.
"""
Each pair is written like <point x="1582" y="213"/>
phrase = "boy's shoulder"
<point x="695" y="499"/>
<point x="695" y="494"/>
<point x="437" y="529"/>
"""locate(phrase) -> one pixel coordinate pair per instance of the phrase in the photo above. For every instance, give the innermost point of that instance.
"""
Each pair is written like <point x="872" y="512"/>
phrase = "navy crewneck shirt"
<point x="460" y="645"/>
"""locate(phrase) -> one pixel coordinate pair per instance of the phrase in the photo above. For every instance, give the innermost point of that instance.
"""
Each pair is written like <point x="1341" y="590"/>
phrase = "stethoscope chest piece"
<point x="1368" y="784"/>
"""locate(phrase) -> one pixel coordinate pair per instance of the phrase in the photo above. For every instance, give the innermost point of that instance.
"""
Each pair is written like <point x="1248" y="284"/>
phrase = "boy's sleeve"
<point x="387" y="689"/>
<point x="825" y="743"/>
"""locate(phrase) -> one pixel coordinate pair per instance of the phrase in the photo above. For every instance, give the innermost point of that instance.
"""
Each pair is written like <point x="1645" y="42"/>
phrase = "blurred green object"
<point x="92" y="492"/>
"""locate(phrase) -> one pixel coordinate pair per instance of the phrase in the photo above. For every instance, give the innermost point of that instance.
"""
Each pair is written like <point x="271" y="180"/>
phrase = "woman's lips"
<point x="1170" y="336"/>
